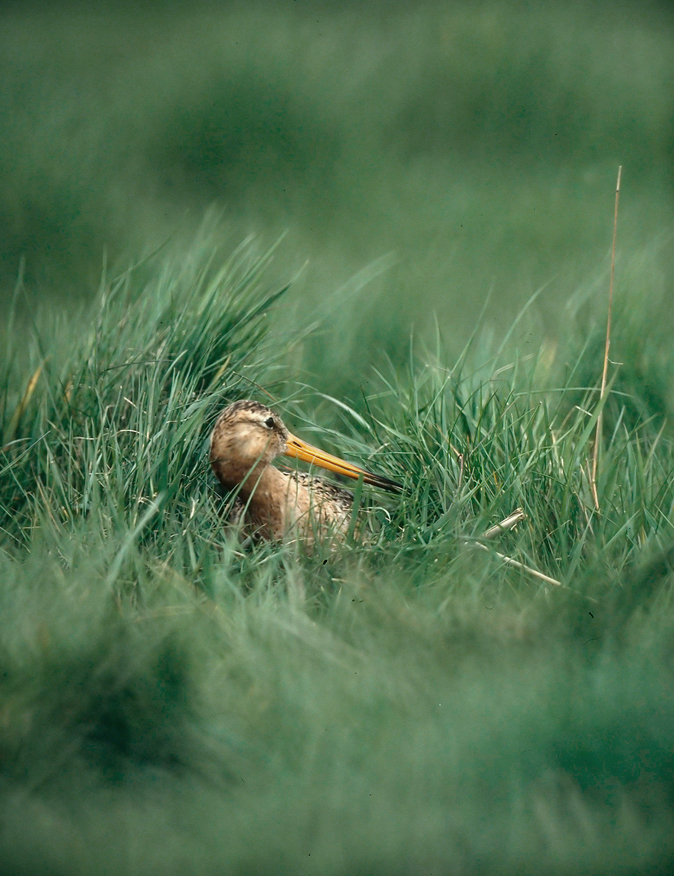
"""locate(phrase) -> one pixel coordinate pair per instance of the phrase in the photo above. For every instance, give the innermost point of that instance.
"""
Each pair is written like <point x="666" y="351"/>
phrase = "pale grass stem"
<point x="510" y="522"/>
<point x="607" y="345"/>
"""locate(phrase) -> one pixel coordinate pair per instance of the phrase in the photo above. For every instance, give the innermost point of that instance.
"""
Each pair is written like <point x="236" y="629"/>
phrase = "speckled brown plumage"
<point x="246" y="438"/>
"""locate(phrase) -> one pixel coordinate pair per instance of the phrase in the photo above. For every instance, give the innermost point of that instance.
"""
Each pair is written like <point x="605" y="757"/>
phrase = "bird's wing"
<point x="324" y="492"/>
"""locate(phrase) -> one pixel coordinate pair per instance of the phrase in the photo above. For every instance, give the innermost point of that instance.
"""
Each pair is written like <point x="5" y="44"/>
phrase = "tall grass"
<point x="173" y="700"/>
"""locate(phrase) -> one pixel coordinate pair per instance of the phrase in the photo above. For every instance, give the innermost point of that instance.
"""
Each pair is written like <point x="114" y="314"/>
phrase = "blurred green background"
<point x="419" y="157"/>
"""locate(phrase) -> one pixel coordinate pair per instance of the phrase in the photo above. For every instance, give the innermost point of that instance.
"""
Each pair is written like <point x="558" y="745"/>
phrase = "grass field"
<point x="397" y="222"/>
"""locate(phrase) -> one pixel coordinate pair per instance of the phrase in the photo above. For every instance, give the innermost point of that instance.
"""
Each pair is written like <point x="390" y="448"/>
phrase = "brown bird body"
<point x="246" y="438"/>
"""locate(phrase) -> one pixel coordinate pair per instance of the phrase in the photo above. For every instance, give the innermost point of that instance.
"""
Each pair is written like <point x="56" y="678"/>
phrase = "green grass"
<point x="397" y="222"/>
<point x="405" y="703"/>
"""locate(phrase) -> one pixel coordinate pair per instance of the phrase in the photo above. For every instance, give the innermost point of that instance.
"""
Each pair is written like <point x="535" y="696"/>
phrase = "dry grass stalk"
<point x="509" y="561"/>
<point x="509" y="523"/>
<point x="607" y="345"/>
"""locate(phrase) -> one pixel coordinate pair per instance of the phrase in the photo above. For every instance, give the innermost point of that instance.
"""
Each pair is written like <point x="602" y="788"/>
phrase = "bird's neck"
<point x="245" y="478"/>
<point x="261" y="482"/>
<point x="266" y="495"/>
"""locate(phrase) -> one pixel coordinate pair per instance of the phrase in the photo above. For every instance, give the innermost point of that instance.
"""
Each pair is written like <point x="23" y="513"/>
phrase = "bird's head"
<point x="248" y="436"/>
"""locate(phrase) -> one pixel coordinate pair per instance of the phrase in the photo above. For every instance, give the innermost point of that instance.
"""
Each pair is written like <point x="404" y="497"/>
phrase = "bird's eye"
<point x="269" y="422"/>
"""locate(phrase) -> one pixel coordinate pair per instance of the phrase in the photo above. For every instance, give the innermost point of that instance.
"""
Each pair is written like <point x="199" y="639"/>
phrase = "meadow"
<point x="394" y="225"/>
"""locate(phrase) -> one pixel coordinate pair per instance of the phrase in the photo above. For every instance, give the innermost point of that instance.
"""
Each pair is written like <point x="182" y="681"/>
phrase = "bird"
<point x="275" y="504"/>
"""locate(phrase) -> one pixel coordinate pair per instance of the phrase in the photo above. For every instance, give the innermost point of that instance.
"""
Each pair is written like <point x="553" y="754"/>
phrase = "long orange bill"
<point x="298" y="449"/>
